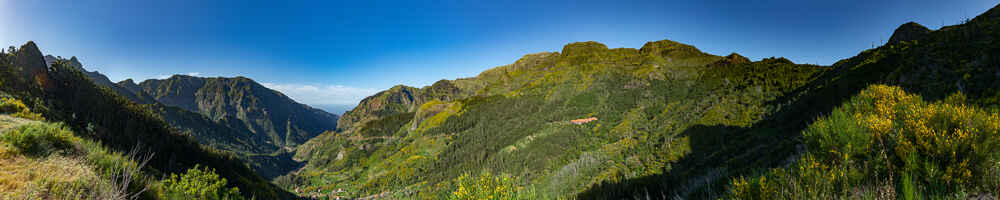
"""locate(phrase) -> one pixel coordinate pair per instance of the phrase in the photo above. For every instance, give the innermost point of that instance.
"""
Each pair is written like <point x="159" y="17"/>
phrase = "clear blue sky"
<point x="343" y="51"/>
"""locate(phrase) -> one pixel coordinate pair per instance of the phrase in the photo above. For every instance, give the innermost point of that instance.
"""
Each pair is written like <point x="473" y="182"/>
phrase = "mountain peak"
<point x="908" y="31"/>
<point x="578" y="48"/>
<point x="30" y="58"/>
<point x="731" y="59"/>
<point x="737" y="58"/>
<point x="668" y="48"/>
<point x="129" y="82"/>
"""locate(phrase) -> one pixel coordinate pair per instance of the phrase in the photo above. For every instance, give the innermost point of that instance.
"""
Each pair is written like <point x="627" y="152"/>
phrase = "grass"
<point x="22" y="176"/>
<point x="48" y="161"/>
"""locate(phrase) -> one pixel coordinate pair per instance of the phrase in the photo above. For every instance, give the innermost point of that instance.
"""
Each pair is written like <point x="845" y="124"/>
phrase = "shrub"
<point x="889" y="142"/>
<point x="37" y="138"/>
<point x="485" y="186"/>
<point x="198" y="183"/>
<point x="17" y="109"/>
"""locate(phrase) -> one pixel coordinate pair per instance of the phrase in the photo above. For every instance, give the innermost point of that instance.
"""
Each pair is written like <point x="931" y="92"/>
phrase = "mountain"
<point x="242" y="103"/>
<point x="669" y="121"/>
<point x="63" y="93"/>
<point x="205" y="130"/>
<point x="227" y="131"/>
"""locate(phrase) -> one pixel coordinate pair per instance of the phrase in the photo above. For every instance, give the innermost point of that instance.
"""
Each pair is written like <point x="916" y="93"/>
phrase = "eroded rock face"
<point x="908" y="31"/>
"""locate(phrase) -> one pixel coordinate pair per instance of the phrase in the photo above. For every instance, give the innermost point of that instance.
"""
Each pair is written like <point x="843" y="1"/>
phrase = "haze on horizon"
<point x="332" y="54"/>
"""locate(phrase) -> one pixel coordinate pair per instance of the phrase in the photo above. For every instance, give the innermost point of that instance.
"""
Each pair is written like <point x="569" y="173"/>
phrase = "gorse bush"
<point x="17" y="109"/>
<point x="198" y="183"/>
<point x="487" y="186"/>
<point x="887" y="143"/>
<point x="37" y="138"/>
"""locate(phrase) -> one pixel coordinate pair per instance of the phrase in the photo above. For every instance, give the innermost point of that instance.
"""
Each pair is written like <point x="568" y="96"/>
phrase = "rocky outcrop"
<point x="731" y="59"/>
<point x="30" y="60"/>
<point x="908" y="31"/>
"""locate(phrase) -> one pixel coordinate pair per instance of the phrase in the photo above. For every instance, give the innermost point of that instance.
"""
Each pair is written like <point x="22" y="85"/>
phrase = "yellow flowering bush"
<point x="17" y="108"/>
<point x="485" y="186"/>
<point x="884" y="138"/>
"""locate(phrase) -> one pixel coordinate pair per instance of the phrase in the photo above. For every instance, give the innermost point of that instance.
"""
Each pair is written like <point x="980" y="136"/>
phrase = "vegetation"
<point x="47" y="161"/>
<point x="198" y="183"/>
<point x="36" y="139"/>
<point x="488" y="186"/>
<point x="886" y="143"/>
<point x="18" y="109"/>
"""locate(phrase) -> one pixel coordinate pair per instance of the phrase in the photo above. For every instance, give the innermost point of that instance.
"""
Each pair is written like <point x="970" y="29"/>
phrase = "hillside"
<point x="243" y="104"/>
<point x="64" y="93"/>
<point x="671" y="121"/>
<point x="203" y="129"/>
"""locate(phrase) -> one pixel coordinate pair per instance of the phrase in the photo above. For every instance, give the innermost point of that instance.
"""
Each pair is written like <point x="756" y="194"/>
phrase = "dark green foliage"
<point x="198" y="183"/>
<point x="37" y="139"/>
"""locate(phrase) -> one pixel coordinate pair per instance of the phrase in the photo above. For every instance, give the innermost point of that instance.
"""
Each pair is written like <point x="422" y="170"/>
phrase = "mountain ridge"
<point x="671" y="121"/>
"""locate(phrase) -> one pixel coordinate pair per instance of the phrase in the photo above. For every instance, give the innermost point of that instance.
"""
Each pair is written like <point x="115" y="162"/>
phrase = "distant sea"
<point x="334" y="108"/>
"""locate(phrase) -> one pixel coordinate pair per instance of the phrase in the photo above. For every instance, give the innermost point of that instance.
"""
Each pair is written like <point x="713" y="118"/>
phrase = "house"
<point x="583" y="121"/>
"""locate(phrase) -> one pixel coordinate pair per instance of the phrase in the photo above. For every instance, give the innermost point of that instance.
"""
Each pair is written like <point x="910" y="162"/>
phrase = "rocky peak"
<point x="30" y="59"/>
<point x="731" y="59"/>
<point x="130" y="85"/>
<point x="908" y="31"/>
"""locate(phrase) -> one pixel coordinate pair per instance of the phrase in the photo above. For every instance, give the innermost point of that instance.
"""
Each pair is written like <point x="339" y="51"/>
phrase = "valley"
<point x="913" y="118"/>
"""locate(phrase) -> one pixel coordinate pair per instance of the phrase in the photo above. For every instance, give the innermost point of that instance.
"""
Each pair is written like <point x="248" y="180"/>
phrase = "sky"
<point x="331" y="54"/>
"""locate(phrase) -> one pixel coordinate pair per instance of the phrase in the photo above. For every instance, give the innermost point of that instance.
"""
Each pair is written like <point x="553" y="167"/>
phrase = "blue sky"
<point x="337" y="52"/>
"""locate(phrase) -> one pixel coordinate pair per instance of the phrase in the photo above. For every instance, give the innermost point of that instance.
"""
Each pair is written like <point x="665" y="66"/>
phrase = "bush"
<point x="37" y="138"/>
<point x="886" y="142"/>
<point x="198" y="183"/>
<point x="17" y="109"/>
<point x="486" y="186"/>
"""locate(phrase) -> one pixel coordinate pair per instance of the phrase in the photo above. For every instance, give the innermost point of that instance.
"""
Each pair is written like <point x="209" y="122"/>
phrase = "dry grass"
<point x="24" y="177"/>
<point x="7" y="122"/>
